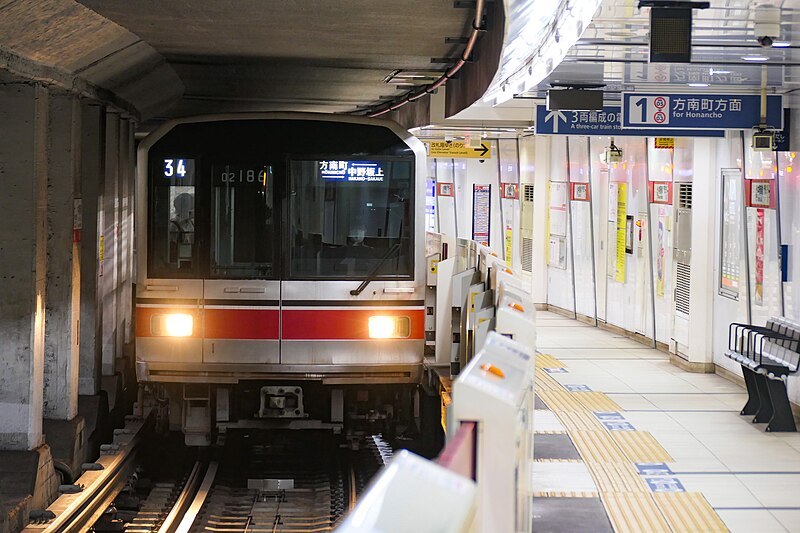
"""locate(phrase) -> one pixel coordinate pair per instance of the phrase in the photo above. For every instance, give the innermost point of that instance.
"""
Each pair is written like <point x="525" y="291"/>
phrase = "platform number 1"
<point x="174" y="167"/>
<point x="649" y="110"/>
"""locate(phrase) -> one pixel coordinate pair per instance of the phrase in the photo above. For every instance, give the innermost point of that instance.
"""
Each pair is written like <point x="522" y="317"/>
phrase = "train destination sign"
<point x="351" y="170"/>
<point x="605" y="122"/>
<point x="458" y="150"/>
<point x="698" y="111"/>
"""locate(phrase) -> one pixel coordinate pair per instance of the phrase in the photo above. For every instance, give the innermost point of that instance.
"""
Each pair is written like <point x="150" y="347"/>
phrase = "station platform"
<point x="625" y="441"/>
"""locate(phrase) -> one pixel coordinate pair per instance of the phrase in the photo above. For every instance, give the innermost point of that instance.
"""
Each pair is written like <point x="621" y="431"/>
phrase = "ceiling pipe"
<point x="419" y="93"/>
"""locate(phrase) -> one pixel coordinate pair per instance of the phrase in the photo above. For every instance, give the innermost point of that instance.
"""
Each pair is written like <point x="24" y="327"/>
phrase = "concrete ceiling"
<point x="300" y="55"/>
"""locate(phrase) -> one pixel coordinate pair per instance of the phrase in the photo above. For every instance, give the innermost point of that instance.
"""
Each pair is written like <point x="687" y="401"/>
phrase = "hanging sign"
<point x="605" y="122"/>
<point x="660" y="192"/>
<point x="458" y="150"/>
<point x="664" y="143"/>
<point x="579" y="192"/>
<point x="696" y="111"/>
<point x="481" y="213"/>
<point x="759" y="296"/>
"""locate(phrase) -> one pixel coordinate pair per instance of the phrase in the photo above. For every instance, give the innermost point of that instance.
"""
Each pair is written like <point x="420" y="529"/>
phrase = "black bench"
<point x="768" y="355"/>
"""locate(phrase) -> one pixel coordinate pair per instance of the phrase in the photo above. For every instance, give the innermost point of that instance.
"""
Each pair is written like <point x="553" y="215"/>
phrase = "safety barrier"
<point x="481" y="324"/>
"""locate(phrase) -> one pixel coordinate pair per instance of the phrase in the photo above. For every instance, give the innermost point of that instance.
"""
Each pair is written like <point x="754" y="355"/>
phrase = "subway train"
<point x="280" y="273"/>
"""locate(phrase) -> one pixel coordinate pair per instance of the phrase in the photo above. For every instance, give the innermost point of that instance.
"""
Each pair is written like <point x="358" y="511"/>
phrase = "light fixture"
<point x="755" y="58"/>
<point x="711" y="71"/>
<point x="697" y="84"/>
<point x="389" y="327"/>
<point x="781" y="44"/>
<point x="172" y="325"/>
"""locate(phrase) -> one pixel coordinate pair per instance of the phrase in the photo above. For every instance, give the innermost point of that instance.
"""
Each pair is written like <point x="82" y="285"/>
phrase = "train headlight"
<point x="389" y="327"/>
<point x="172" y="325"/>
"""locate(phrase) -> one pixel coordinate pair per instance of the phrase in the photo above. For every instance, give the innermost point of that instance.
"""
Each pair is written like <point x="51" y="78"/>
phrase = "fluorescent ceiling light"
<point x="755" y="58"/>
<point x="781" y="44"/>
<point x="698" y="85"/>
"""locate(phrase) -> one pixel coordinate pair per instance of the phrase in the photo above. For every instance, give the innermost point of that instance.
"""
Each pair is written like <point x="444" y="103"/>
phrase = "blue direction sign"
<point x="682" y="73"/>
<point x="606" y="122"/>
<point x="698" y="111"/>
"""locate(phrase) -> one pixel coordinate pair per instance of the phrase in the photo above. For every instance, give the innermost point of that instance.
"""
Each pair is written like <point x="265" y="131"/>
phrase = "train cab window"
<point x="242" y="226"/>
<point x="173" y="250"/>
<point x="350" y="219"/>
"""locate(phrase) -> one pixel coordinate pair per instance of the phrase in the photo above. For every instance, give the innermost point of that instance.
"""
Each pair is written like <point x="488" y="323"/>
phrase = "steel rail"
<point x="199" y="499"/>
<point x="78" y="512"/>
<point x="181" y="505"/>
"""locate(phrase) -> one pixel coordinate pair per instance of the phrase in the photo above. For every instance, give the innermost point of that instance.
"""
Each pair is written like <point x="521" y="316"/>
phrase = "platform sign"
<point x="681" y="73"/>
<point x="697" y="111"/>
<point x="606" y="122"/>
<point x="664" y="143"/>
<point x="458" y="150"/>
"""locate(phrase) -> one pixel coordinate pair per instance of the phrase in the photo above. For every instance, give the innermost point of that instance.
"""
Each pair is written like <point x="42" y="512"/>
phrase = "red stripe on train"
<point x="242" y="324"/>
<point x="298" y="324"/>
<point x="342" y="324"/>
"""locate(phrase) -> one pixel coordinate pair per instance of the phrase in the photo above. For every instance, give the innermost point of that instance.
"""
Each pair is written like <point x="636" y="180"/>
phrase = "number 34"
<point x="174" y="167"/>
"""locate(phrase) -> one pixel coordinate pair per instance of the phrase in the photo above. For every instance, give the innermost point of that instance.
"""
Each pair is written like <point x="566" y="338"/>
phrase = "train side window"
<point x="351" y="219"/>
<point x="243" y="232"/>
<point x="173" y="241"/>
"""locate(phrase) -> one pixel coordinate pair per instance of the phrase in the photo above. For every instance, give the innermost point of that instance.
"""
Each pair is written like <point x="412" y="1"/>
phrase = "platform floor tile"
<point x="554" y="446"/>
<point x="569" y="515"/>
<point x="563" y="478"/>
<point x="545" y="421"/>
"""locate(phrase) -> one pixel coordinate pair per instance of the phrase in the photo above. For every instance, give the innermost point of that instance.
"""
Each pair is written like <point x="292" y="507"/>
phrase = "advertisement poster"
<point x="661" y="247"/>
<point x="509" y="235"/>
<point x="558" y="208"/>
<point x="759" y="296"/>
<point x="481" y="213"/>
<point x="729" y="254"/>
<point x="622" y="221"/>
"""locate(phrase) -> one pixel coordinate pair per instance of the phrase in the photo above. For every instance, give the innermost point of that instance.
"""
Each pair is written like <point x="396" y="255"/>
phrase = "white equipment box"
<point x="495" y="390"/>
<point x="414" y="494"/>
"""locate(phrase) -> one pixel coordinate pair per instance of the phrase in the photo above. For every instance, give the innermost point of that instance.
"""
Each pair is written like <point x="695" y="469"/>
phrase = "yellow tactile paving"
<point x="641" y="447"/>
<point x="617" y="477"/>
<point x="579" y="420"/>
<point x="557" y="461"/>
<point x="609" y="457"/>
<point x="549" y="431"/>
<point x="597" y="401"/>
<point x="597" y="447"/>
<point x="688" y="512"/>
<point x="561" y="400"/>
<point x="634" y="512"/>
<point x="544" y="360"/>
<point x="545" y="381"/>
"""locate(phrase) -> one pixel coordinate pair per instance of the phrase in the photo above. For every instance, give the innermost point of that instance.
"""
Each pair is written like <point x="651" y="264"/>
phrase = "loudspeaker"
<point x="670" y="35"/>
<point x="574" y="100"/>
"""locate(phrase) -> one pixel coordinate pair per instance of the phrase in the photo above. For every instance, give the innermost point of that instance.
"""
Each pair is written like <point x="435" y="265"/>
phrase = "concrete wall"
<point x="66" y="255"/>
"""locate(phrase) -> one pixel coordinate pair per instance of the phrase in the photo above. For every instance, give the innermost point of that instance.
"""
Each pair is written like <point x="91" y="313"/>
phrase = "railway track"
<point x="270" y="482"/>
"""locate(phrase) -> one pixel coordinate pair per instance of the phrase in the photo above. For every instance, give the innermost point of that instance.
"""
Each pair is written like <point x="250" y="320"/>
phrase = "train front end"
<point x="280" y="273"/>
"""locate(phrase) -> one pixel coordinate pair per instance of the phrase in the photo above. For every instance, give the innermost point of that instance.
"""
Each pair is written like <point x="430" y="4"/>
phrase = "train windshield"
<point x="242" y="226"/>
<point x="350" y="219"/>
<point x="172" y="229"/>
